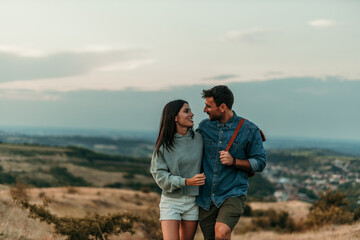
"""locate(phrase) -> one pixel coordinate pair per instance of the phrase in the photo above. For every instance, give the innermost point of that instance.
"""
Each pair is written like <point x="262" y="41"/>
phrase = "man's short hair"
<point x="221" y="94"/>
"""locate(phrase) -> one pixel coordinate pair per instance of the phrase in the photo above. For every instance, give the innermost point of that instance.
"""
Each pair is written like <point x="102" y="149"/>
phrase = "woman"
<point x="175" y="166"/>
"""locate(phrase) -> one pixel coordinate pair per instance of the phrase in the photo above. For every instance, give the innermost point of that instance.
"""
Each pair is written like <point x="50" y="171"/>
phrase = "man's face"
<point x="212" y="110"/>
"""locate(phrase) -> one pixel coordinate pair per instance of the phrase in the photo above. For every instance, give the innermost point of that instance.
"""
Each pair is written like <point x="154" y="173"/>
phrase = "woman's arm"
<point x="162" y="176"/>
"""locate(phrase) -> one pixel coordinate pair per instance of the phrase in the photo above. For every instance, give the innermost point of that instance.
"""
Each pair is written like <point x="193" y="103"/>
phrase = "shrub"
<point x="145" y="189"/>
<point x="19" y="190"/>
<point x="63" y="177"/>
<point x="129" y="175"/>
<point x="72" y="190"/>
<point x="331" y="208"/>
<point x="272" y="220"/>
<point x="356" y="214"/>
<point x="247" y="211"/>
<point x="150" y="224"/>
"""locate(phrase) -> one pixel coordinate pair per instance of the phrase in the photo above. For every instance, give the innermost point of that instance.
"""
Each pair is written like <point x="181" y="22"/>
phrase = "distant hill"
<point x="344" y="147"/>
<point x="141" y="143"/>
<point x="48" y="166"/>
<point x="290" y="173"/>
<point x="115" y="145"/>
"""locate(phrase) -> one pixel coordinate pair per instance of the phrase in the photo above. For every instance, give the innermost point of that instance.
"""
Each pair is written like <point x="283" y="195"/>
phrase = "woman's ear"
<point x="176" y="118"/>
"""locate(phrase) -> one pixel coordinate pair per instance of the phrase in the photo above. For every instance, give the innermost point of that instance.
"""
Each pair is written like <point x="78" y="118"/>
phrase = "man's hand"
<point x="196" y="180"/>
<point x="226" y="158"/>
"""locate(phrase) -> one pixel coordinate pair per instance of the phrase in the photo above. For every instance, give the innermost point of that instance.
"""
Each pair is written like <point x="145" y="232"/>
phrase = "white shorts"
<point x="182" y="208"/>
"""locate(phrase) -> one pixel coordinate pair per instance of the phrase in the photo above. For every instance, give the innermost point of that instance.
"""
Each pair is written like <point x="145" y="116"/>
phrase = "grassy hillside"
<point x="305" y="171"/>
<point x="85" y="201"/>
<point x="44" y="166"/>
<point x="110" y="145"/>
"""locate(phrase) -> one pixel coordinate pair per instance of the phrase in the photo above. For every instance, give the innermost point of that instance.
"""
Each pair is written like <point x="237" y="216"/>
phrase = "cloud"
<point x="314" y="91"/>
<point x="28" y="95"/>
<point x="25" y="64"/>
<point x="95" y="81"/>
<point x="254" y="35"/>
<point x="22" y="51"/>
<point x="322" y="23"/>
<point x="273" y="73"/>
<point x="221" y="77"/>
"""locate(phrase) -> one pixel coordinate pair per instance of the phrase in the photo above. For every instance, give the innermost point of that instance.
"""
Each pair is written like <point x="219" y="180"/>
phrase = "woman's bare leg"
<point x="170" y="229"/>
<point x="188" y="229"/>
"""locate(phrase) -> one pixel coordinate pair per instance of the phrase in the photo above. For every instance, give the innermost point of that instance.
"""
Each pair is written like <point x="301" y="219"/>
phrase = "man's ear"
<point x="223" y="107"/>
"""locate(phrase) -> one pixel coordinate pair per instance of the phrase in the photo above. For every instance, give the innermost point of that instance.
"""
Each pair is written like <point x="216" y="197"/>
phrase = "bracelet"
<point x="234" y="162"/>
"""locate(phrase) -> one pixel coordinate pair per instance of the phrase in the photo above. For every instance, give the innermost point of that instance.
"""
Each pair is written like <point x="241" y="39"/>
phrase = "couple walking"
<point x="200" y="177"/>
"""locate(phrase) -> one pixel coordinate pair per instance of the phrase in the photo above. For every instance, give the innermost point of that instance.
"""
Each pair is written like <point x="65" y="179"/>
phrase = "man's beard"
<point x="214" y="118"/>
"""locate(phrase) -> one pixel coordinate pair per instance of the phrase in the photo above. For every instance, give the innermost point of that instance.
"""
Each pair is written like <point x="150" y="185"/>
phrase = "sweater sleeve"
<point x="162" y="176"/>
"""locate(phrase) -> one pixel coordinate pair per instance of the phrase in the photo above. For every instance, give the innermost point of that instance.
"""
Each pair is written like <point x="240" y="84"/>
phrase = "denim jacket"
<point x="226" y="181"/>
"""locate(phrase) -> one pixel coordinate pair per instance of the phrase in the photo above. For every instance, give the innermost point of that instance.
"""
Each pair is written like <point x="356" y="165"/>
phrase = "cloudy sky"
<point x="56" y="55"/>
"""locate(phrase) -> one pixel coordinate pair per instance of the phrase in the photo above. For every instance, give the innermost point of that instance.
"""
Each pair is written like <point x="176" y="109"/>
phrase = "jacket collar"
<point x="229" y="122"/>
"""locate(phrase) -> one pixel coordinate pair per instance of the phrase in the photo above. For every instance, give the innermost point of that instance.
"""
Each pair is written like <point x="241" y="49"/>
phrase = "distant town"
<point x="296" y="184"/>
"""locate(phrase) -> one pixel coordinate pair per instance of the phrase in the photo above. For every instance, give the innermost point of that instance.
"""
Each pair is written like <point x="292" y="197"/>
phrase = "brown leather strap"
<point x="262" y="136"/>
<point x="235" y="134"/>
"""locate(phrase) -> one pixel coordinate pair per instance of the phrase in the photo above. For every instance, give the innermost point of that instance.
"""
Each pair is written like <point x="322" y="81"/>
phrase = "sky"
<point x="115" y="64"/>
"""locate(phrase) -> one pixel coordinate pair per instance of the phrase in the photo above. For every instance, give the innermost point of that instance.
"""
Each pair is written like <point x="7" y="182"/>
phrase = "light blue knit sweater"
<point x="171" y="168"/>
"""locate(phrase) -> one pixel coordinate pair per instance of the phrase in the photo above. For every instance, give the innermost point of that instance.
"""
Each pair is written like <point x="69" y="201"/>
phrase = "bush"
<point x="272" y="220"/>
<point x="19" y="190"/>
<point x="129" y="176"/>
<point x="247" y="211"/>
<point x="63" y="177"/>
<point x="357" y="214"/>
<point x="150" y="224"/>
<point x="145" y="189"/>
<point x="72" y="190"/>
<point x="331" y="208"/>
<point x="7" y="178"/>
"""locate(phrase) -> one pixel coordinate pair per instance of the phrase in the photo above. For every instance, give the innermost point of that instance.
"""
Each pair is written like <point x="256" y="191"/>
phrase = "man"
<point x="222" y="198"/>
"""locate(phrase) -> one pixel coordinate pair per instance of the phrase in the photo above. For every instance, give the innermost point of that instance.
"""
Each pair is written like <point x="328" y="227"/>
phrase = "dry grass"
<point x="31" y="148"/>
<point x="75" y="202"/>
<point x="297" y="210"/>
<point x="100" y="178"/>
<point x="81" y="201"/>
<point x="344" y="232"/>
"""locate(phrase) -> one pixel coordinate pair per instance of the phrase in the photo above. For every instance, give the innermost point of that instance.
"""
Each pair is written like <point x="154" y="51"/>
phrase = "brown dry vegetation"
<point x="297" y="210"/>
<point x="82" y="201"/>
<point x="342" y="232"/>
<point x="74" y="202"/>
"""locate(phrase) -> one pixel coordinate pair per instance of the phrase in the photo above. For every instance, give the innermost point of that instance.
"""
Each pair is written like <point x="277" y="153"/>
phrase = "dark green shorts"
<point x="229" y="213"/>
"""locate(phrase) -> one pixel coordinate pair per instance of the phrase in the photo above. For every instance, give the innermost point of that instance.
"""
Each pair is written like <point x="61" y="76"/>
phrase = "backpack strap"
<point x="235" y="134"/>
<point x="262" y="136"/>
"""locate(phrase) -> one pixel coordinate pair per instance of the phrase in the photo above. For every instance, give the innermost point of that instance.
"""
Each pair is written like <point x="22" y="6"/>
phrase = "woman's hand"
<point x="196" y="180"/>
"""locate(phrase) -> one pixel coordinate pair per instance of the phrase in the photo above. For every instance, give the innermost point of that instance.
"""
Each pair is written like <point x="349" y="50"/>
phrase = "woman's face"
<point x="185" y="117"/>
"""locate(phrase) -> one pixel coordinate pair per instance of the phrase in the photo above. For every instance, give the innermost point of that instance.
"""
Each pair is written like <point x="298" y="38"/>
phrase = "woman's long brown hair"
<point x="168" y="126"/>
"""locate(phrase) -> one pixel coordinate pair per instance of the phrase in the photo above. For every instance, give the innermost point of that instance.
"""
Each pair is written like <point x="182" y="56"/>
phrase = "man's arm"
<point x="256" y="152"/>
<point x="227" y="159"/>
<point x="256" y="161"/>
